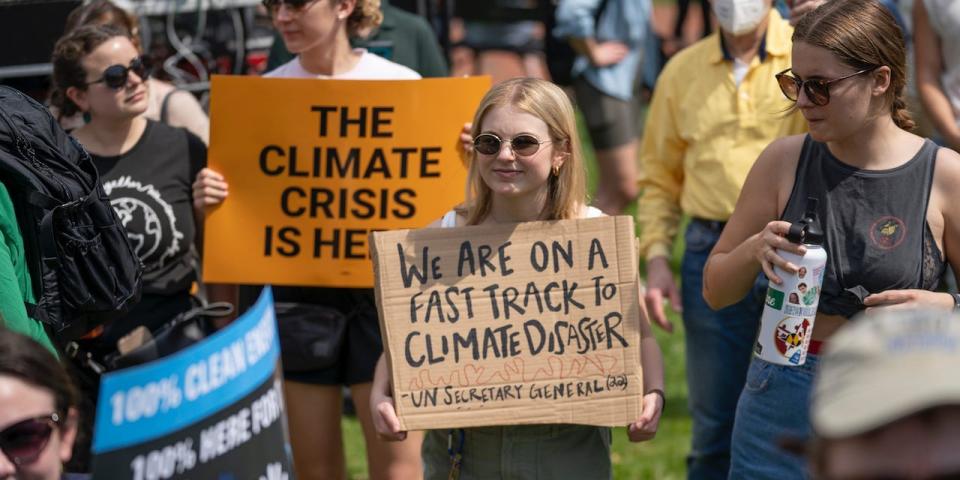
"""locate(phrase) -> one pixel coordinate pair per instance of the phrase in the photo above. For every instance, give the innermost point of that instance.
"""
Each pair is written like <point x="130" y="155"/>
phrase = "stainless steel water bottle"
<point x="791" y="307"/>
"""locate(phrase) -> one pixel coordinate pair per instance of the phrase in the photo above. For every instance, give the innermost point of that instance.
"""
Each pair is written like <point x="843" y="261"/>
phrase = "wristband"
<point x="663" y="396"/>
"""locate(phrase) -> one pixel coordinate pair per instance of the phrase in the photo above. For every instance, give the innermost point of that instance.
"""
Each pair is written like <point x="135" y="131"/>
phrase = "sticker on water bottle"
<point x="774" y="298"/>
<point x="790" y="337"/>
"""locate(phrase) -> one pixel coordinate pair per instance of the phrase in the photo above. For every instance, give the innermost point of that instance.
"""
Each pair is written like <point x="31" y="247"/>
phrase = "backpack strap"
<point x="38" y="199"/>
<point x="165" y="106"/>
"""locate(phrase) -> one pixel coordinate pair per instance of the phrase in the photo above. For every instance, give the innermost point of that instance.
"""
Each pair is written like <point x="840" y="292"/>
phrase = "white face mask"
<point x="740" y="16"/>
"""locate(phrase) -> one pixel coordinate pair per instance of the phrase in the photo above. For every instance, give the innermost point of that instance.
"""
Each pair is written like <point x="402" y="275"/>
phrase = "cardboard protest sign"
<point x="213" y="410"/>
<point x="512" y="324"/>
<point x="315" y="165"/>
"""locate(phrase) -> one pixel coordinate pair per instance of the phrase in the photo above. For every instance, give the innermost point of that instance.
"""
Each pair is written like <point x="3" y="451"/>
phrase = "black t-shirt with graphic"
<point x="150" y="189"/>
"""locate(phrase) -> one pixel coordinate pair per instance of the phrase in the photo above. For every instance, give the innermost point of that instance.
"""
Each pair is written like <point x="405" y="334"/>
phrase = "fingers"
<point x="645" y="428"/>
<point x="908" y="299"/>
<point x="664" y="323"/>
<point x="388" y="426"/>
<point x="637" y="433"/>
<point x="609" y="53"/>
<point x="890" y="297"/>
<point x="773" y="239"/>
<point x="207" y="196"/>
<point x="769" y="259"/>
<point x="210" y="188"/>
<point x="775" y="235"/>
<point x="466" y="141"/>
<point x="206" y="172"/>
<point x="877" y="299"/>
<point x="676" y="303"/>
<point x="654" y="299"/>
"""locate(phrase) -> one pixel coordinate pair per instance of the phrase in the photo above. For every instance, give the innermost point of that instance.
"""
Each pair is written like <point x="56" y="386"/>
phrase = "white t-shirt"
<point x="449" y="219"/>
<point x="370" y="67"/>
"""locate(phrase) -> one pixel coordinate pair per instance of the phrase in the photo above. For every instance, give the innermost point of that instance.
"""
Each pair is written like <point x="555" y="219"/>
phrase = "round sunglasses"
<point x="296" y="5"/>
<point x="116" y="76"/>
<point x="24" y="441"/>
<point x="818" y="91"/>
<point x="523" y="145"/>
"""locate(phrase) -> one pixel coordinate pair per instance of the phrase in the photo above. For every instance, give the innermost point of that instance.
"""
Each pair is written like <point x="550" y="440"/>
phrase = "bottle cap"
<point x="807" y="230"/>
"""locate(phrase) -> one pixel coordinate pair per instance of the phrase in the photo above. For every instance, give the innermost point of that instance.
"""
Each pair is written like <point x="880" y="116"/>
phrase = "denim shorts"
<point x="774" y="407"/>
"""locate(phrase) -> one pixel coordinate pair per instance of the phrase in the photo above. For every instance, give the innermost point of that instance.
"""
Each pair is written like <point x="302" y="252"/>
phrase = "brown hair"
<point x="546" y="101"/>
<point x="23" y="358"/>
<point x="68" y="70"/>
<point x="104" y="12"/>
<point x="366" y="16"/>
<point x="861" y="34"/>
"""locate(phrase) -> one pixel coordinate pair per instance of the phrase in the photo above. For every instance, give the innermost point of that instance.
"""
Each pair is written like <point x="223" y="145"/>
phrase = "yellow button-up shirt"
<point x="704" y="132"/>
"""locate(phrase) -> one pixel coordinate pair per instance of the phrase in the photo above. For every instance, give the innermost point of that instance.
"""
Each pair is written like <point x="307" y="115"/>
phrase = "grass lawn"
<point x="662" y="458"/>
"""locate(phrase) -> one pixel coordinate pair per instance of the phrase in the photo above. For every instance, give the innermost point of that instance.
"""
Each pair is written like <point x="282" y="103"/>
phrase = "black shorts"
<point x="612" y="122"/>
<point x="361" y="345"/>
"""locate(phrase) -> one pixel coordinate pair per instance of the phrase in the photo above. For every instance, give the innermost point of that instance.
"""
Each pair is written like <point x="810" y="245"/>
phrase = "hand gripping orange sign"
<point x="315" y="165"/>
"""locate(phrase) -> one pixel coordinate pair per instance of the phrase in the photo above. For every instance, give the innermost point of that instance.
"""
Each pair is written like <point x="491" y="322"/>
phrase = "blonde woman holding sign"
<point x="526" y="165"/>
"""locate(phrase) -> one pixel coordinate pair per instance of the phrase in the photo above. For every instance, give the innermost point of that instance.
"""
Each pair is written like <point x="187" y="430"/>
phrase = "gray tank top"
<point x="875" y="222"/>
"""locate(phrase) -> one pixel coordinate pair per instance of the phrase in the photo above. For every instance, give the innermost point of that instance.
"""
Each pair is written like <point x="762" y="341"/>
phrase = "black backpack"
<point x="84" y="270"/>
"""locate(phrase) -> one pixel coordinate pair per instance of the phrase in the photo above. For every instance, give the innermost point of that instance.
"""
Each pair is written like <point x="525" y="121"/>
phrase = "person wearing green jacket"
<point x="15" y="286"/>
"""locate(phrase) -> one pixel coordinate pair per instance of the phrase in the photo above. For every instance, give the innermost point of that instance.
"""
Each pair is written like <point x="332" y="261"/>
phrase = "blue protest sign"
<point x="213" y="410"/>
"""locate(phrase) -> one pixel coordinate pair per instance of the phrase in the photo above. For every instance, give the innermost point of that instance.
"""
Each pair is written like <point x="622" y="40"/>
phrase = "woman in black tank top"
<point x="885" y="201"/>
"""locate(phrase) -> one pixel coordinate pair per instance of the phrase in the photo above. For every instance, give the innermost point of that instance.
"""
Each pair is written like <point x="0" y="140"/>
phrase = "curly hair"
<point x="364" y="19"/>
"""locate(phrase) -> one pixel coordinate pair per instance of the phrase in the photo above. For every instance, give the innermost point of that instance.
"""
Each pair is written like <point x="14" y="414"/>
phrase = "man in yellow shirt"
<point x="716" y="106"/>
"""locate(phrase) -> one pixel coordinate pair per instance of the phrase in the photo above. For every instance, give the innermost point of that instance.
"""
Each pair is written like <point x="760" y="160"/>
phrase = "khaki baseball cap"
<point x="884" y="367"/>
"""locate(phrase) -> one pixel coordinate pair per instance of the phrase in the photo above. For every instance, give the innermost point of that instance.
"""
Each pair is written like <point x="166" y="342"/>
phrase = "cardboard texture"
<point x="510" y="324"/>
<point x="315" y="165"/>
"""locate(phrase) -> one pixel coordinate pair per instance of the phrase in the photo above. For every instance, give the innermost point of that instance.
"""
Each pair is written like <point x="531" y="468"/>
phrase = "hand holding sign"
<point x="209" y="189"/>
<point x="383" y="407"/>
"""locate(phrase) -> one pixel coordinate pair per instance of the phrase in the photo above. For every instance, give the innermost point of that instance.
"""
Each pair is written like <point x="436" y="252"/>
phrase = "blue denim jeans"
<point x="718" y="349"/>
<point x="774" y="405"/>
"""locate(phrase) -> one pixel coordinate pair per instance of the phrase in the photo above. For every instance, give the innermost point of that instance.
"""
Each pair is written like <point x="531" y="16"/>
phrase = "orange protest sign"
<point x="315" y="165"/>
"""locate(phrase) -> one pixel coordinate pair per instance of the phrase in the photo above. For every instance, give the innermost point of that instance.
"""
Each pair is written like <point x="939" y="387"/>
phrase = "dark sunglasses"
<point x="115" y="76"/>
<point x="24" y="441"/>
<point x="818" y="91"/>
<point x="523" y="145"/>
<point x="295" y="5"/>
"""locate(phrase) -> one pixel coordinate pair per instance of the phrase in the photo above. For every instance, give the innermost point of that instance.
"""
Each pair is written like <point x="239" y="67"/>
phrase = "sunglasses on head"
<point x="296" y="5"/>
<point x="523" y="145"/>
<point x="24" y="441"/>
<point x="116" y="76"/>
<point x="818" y="91"/>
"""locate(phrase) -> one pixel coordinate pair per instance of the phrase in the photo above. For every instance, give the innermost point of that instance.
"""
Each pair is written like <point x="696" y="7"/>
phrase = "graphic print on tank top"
<point x="888" y="232"/>
<point x="150" y="220"/>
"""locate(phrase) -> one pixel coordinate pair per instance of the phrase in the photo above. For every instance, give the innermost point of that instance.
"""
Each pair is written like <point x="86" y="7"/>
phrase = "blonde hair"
<point x="366" y="17"/>
<point x="546" y="101"/>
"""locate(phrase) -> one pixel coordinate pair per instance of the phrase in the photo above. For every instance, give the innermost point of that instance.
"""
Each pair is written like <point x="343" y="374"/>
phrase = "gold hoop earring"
<point x="556" y="170"/>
